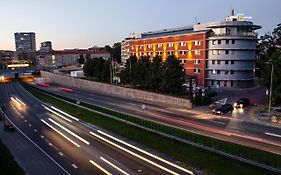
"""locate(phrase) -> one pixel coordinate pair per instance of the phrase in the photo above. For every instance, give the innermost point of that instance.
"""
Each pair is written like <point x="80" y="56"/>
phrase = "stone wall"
<point x="117" y="90"/>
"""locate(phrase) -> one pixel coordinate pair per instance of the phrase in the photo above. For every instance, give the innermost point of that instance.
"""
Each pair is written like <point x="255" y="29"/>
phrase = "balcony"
<point x="240" y="34"/>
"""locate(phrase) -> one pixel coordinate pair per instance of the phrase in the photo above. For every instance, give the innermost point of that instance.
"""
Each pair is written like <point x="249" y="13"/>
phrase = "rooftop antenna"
<point x="232" y="12"/>
<point x="195" y="19"/>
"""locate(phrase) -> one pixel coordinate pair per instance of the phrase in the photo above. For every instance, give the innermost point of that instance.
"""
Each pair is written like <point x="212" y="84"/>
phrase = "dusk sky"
<point x="84" y="23"/>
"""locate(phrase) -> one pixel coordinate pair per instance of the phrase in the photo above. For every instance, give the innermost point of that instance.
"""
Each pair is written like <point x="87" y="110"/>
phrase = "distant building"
<point x="5" y="56"/>
<point x="217" y="54"/>
<point x="57" y="58"/>
<point x="25" y="42"/>
<point x="46" y="47"/>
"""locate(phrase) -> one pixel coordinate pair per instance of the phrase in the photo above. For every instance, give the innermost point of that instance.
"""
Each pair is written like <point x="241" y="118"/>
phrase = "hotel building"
<point x="218" y="54"/>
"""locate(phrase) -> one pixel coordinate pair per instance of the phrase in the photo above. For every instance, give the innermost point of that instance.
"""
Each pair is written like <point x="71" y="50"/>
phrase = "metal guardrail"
<point x="155" y="127"/>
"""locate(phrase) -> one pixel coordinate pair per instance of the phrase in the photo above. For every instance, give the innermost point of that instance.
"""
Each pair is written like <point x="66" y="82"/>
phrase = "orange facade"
<point x="189" y="48"/>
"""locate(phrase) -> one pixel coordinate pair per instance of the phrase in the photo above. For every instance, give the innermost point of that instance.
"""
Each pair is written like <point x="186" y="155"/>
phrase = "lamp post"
<point x="270" y="88"/>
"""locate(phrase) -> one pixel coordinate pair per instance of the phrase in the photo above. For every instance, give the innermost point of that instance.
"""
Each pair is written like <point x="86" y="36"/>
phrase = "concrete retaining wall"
<point x="117" y="90"/>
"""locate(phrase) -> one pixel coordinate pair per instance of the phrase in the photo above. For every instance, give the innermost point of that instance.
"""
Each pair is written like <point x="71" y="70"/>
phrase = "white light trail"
<point x="14" y="100"/>
<point x="70" y="132"/>
<point x="56" y="113"/>
<point x="271" y="134"/>
<point x="70" y="116"/>
<point x="99" y="167"/>
<point x="114" y="166"/>
<point x="67" y="138"/>
<point x="136" y="155"/>
<point x="20" y="101"/>
<point x="147" y="153"/>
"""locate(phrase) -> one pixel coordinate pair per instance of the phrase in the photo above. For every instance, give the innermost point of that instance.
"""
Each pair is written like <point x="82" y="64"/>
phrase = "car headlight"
<point x="235" y="104"/>
<point x="241" y="105"/>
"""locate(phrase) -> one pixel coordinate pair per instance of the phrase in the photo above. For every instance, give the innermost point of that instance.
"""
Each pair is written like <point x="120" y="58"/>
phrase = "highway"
<point x="74" y="146"/>
<point x="227" y="127"/>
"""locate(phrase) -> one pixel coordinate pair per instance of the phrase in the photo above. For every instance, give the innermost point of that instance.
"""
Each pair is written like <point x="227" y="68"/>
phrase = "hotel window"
<point x="214" y="42"/>
<point x="184" y="61"/>
<point x="218" y="72"/>
<point x="149" y="46"/>
<point x="216" y="52"/>
<point x="171" y="44"/>
<point x="159" y="45"/>
<point x="233" y="41"/>
<point x="232" y="62"/>
<point x="196" y="61"/>
<point x="231" y="72"/>
<point x="182" y="43"/>
<point x="226" y="62"/>
<point x="218" y="61"/>
<point x="197" y="43"/>
<point x="227" y="41"/>
<point x="214" y="72"/>
<point x="226" y="72"/>
<point x="133" y="47"/>
<point x="219" y="41"/>
<point x="183" y="52"/>
<point x="148" y="53"/>
<point x="213" y="62"/>
<point x="226" y="52"/>
<point x="140" y="54"/>
<point x="140" y="47"/>
<point x="196" y="70"/>
<point x="197" y="52"/>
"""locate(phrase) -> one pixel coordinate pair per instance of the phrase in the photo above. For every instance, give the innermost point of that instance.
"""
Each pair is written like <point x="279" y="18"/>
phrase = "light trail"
<point x="99" y="167"/>
<point x="114" y="166"/>
<point x="68" y="115"/>
<point x="56" y="113"/>
<point x="67" y="138"/>
<point x="70" y="132"/>
<point x="147" y="153"/>
<point x="134" y="154"/>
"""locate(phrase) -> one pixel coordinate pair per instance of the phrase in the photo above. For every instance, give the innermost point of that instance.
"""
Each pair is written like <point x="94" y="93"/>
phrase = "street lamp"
<point x="270" y="88"/>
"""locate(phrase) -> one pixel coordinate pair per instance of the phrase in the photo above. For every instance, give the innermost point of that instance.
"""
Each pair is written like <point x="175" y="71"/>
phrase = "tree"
<point x="97" y="68"/>
<point x="81" y="59"/>
<point x="172" y="76"/>
<point x="116" y="52"/>
<point x="128" y="74"/>
<point x="155" y="73"/>
<point x="269" y="53"/>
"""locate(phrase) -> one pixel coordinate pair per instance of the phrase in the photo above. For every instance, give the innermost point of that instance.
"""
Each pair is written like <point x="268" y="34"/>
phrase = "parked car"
<point x="242" y="102"/>
<point x="8" y="126"/>
<point x="227" y="108"/>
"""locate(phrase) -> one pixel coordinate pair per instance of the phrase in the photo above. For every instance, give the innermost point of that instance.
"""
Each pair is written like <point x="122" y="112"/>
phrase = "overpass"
<point x="16" y="71"/>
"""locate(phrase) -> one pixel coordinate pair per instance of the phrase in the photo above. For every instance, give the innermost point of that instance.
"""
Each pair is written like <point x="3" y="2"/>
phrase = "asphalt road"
<point x="227" y="127"/>
<point x="73" y="146"/>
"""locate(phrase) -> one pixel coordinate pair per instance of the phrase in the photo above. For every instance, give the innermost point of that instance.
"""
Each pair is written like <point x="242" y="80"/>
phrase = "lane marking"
<point x="29" y="125"/>
<point x="99" y="167"/>
<point x="35" y="130"/>
<point x="60" y="153"/>
<point x="272" y="134"/>
<point x="74" y="166"/>
<point x="114" y="166"/>
<point x="67" y="138"/>
<point x="56" y="113"/>
<point x="134" y="154"/>
<point x="68" y="115"/>
<point x="145" y="152"/>
<point x="70" y="132"/>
